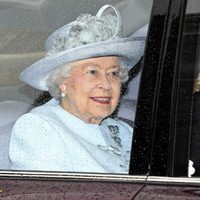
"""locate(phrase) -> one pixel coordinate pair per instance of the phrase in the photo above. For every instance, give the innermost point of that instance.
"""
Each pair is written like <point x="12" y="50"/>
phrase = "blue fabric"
<point x="51" y="139"/>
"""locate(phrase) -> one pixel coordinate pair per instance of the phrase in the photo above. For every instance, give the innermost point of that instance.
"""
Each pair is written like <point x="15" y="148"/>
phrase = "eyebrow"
<point x="96" y="65"/>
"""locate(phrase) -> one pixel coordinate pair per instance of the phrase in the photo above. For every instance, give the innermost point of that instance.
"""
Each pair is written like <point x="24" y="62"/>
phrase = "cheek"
<point x="117" y="89"/>
<point x="82" y="88"/>
<point x="116" y="92"/>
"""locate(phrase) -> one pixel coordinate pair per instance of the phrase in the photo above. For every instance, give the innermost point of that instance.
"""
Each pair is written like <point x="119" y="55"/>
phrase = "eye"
<point x="92" y="72"/>
<point x="114" y="74"/>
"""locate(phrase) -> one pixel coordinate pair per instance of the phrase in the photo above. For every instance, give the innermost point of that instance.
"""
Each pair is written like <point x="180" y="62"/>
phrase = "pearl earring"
<point x="62" y="94"/>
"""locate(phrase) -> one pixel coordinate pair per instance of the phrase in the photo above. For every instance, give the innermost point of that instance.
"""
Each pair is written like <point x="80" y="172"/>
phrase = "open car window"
<point x="24" y="28"/>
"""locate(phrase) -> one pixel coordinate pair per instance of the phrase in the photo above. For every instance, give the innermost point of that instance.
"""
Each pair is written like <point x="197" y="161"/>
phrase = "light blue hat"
<point x="86" y="37"/>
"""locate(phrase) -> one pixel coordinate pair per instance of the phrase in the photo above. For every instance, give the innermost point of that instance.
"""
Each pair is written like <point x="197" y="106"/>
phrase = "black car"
<point x="163" y="108"/>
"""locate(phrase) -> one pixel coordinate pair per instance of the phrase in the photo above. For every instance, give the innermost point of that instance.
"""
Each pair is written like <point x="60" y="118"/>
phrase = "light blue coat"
<point x="51" y="139"/>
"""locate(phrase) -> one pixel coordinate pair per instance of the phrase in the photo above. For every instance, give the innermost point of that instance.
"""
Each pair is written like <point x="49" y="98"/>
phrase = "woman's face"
<point x="93" y="89"/>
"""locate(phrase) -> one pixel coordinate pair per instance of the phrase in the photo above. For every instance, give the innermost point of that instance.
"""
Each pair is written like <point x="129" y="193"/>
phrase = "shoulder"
<point x="32" y="130"/>
<point x="44" y="110"/>
<point x="30" y="125"/>
<point x="38" y="115"/>
<point x="38" y="122"/>
<point x="47" y="109"/>
<point x="30" y="118"/>
<point x="33" y="138"/>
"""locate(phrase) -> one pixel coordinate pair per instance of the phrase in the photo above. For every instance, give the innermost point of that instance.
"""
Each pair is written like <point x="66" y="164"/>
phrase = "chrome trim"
<point x="190" y="181"/>
<point x="159" y="180"/>
<point x="32" y="175"/>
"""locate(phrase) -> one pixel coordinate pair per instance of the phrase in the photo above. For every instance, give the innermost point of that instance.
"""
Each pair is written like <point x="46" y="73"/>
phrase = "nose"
<point x="105" y="82"/>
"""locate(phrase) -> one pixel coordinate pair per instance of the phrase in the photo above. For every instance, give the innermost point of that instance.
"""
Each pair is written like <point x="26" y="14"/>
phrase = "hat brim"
<point x="130" y="50"/>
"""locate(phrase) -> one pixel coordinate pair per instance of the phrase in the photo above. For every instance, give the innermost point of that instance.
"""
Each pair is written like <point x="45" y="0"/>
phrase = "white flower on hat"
<point x="86" y="29"/>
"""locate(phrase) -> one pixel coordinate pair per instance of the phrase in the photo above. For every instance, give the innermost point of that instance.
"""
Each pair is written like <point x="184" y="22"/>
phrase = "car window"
<point x="24" y="28"/>
<point x="191" y="58"/>
<point x="187" y="120"/>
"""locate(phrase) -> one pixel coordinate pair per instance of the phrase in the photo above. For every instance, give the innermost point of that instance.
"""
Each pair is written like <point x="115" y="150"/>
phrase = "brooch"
<point x="115" y="134"/>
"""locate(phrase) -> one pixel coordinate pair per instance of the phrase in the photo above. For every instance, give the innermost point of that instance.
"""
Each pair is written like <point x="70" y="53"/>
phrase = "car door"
<point x="174" y="166"/>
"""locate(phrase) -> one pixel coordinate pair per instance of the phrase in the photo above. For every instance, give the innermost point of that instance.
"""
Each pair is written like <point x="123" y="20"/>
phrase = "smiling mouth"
<point x="101" y="100"/>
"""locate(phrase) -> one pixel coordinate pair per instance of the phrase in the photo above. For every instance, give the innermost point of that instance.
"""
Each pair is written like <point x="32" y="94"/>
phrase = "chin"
<point x="101" y="115"/>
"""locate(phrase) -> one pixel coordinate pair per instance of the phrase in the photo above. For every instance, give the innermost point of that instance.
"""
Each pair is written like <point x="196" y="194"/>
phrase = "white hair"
<point x="59" y="74"/>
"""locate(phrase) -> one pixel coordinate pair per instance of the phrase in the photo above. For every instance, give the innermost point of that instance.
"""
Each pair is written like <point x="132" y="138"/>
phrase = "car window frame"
<point x="158" y="95"/>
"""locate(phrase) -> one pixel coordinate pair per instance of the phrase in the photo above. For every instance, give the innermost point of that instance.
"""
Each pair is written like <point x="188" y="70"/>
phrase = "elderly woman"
<point x="86" y="62"/>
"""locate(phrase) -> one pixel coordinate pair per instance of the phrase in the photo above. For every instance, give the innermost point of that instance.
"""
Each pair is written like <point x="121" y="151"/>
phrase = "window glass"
<point x="189" y="86"/>
<point x="195" y="141"/>
<point x="25" y="26"/>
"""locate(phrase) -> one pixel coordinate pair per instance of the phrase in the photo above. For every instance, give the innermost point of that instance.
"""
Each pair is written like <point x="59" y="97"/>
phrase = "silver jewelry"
<point x="110" y="134"/>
